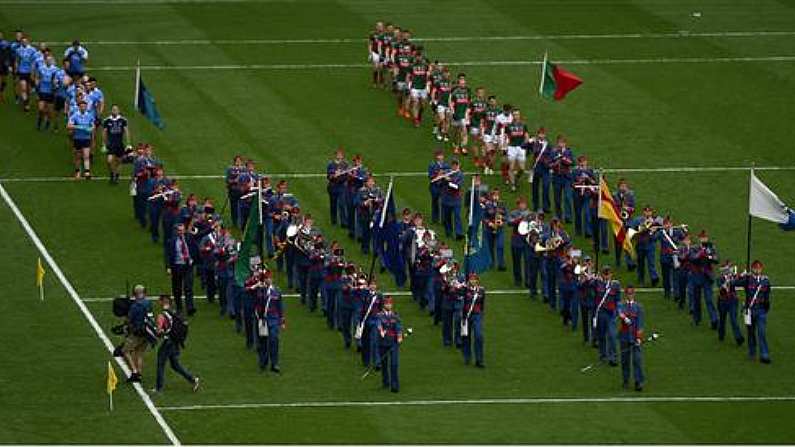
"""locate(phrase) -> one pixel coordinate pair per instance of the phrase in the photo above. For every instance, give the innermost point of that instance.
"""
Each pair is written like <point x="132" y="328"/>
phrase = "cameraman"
<point x="135" y="342"/>
<point x="170" y="347"/>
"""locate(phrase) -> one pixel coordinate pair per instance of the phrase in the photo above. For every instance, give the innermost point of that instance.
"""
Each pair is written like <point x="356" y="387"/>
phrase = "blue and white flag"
<point x="765" y="204"/>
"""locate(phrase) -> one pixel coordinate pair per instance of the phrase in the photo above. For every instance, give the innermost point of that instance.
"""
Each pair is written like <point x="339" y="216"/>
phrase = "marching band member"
<point x="669" y="239"/>
<point x="534" y="270"/>
<point x="336" y="171"/>
<point x="390" y="330"/>
<point x="232" y="190"/>
<point x="472" y="321"/>
<point x="683" y="273"/>
<point x="586" y="191"/>
<point x="247" y="180"/>
<point x="333" y="286"/>
<point x="646" y="243"/>
<point x="208" y="246"/>
<point x="585" y="295"/>
<point x="518" y="241"/>
<point x="226" y="256"/>
<point x="451" y="305"/>
<point x="269" y="316"/>
<point x="757" y="306"/>
<point x="607" y="296"/>
<point x="542" y="160"/>
<point x="369" y="201"/>
<point x="702" y="259"/>
<point x="301" y="247"/>
<point x="567" y="286"/>
<point x="555" y="243"/>
<point x="155" y="186"/>
<point x="630" y="314"/>
<point x="625" y="198"/>
<point x="436" y="172"/>
<point x="353" y="183"/>
<point x="371" y="306"/>
<point x="727" y="301"/>
<point x="451" y="202"/>
<point x="562" y="160"/>
<point x="494" y="218"/>
<point x="317" y="257"/>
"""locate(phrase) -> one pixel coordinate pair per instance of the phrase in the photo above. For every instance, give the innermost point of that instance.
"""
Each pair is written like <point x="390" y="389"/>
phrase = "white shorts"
<point x="375" y="58"/>
<point x="474" y="131"/>
<point x="489" y="138"/>
<point x="516" y="153"/>
<point x="419" y="93"/>
<point x="401" y="86"/>
<point x="442" y="110"/>
<point x="460" y="123"/>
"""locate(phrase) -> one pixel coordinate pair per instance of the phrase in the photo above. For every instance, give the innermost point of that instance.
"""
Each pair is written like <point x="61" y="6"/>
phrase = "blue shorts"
<point x="23" y="77"/>
<point x="81" y="144"/>
<point x="46" y="97"/>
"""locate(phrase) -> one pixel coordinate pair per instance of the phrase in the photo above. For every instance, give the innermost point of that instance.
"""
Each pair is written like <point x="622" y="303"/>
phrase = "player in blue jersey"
<point x="77" y="56"/>
<point x="45" y="89"/>
<point x="81" y="126"/>
<point x="26" y="56"/>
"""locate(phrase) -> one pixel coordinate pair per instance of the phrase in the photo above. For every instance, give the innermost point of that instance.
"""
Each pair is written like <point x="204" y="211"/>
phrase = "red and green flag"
<point x="555" y="81"/>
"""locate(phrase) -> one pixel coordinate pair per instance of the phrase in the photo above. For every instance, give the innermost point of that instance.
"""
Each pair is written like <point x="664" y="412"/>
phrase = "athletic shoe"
<point x="196" y="382"/>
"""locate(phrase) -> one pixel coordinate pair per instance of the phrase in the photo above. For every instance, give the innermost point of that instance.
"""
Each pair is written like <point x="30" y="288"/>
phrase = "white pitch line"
<point x="659" y="60"/>
<point x="683" y="169"/>
<point x="87" y="314"/>
<point x="408" y="293"/>
<point x="534" y="37"/>
<point x="515" y="401"/>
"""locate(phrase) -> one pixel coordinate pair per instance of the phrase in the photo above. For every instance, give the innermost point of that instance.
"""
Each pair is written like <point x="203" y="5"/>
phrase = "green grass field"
<point x="662" y="89"/>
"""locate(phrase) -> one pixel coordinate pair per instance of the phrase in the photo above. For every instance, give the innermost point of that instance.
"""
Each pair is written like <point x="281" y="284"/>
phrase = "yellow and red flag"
<point x="609" y="211"/>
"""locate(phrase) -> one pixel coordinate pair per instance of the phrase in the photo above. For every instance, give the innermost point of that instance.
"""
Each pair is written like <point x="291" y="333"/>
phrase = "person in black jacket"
<point x="179" y="264"/>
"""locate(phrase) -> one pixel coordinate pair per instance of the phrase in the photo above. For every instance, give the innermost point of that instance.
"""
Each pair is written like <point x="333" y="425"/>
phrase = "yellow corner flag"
<point x="112" y="381"/>
<point x="40" y="278"/>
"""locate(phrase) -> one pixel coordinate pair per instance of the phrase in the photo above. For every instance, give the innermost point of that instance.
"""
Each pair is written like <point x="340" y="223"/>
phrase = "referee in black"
<point x="116" y="135"/>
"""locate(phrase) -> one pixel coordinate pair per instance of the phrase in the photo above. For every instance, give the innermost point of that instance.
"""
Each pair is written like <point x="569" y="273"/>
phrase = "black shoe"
<point x="740" y="341"/>
<point x="625" y="385"/>
<point x="394" y="390"/>
<point x="714" y="325"/>
<point x="638" y="387"/>
<point x="501" y="269"/>
<point x="766" y="361"/>
<point x="276" y="369"/>
<point x="460" y="237"/>
<point x="479" y="365"/>
<point x="631" y="268"/>
<point x="655" y="281"/>
<point x="612" y="363"/>
<point x="191" y="312"/>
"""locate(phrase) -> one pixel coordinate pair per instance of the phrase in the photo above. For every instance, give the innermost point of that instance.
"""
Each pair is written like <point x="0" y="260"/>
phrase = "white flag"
<point x="764" y="204"/>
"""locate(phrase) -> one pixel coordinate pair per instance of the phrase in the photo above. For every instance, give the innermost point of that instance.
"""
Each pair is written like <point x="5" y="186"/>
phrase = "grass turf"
<point x="626" y="115"/>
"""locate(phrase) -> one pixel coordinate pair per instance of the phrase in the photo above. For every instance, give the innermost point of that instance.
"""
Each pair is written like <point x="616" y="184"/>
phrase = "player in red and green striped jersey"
<point x="374" y="43"/>
<point x="419" y="84"/>
<point x="403" y="63"/>
<point x="460" y="98"/>
<point x="477" y="110"/>
<point x="441" y="95"/>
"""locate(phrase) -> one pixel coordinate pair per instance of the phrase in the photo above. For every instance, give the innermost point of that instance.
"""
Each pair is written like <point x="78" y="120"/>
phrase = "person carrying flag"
<point x="607" y="296"/>
<point x="269" y="315"/>
<point x="757" y="307"/>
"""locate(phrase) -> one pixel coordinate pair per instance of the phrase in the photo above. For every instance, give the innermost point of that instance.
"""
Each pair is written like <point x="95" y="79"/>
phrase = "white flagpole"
<point x="385" y="207"/>
<point x="137" y="83"/>
<point x="543" y="75"/>
<point x="41" y="291"/>
<point x="110" y="401"/>
<point x="750" y="220"/>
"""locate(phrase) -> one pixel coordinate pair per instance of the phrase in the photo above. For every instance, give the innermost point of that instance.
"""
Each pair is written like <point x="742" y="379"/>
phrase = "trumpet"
<point x="624" y="213"/>
<point x="345" y="172"/>
<point x="444" y="176"/>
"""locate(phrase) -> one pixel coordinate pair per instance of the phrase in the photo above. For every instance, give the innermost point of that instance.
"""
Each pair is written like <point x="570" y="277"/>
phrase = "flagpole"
<point x="110" y="397"/>
<point x="41" y="291"/>
<point x="137" y="83"/>
<point x="543" y="74"/>
<point x="597" y="224"/>
<point x="261" y="227"/>
<point x="750" y="220"/>
<point x="384" y="210"/>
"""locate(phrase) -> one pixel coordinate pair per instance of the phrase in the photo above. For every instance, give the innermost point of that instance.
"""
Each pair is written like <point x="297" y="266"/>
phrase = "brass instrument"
<point x="552" y="244"/>
<point x="624" y="213"/>
<point x="345" y="172"/>
<point x="444" y="176"/>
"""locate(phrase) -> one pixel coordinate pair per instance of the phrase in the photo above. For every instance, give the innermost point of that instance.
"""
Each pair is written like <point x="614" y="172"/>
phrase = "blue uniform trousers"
<point x="606" y="334"/>
<point x="699" y="284"/>
<point x="728" y="309"/>
<point x="475" y="336"/>
<point x="533" y="264"/>
<point x="390" y="361"/>
<point x="436" y="206"/>
<point x="249" y="321"/>
<point x="517" y="258"/>
<point x="268" y="346"/>
<point x="668" y="278"/>
<point x="551" y="282"/>
<point x="630" y="353"/>
<point x="451" y="218"/>
<point x="583" y="222"/>
<point x="541" y="182"/>
<point x="155" y="210"/>
<point x="646" y="258"/>
<point x="496" y="244"/>
<point x="563" y="197"/>
<point x="757" y="333"/>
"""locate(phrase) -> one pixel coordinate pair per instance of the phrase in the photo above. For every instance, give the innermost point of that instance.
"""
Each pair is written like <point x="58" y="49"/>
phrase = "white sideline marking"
<point x="516" y="401"/>
<point x="408" y="293"/>
<point x="343" y="40"/>
<point x="87" y="314"/>
<point x="657" y="60"/>
<point x="688" y="169"/>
